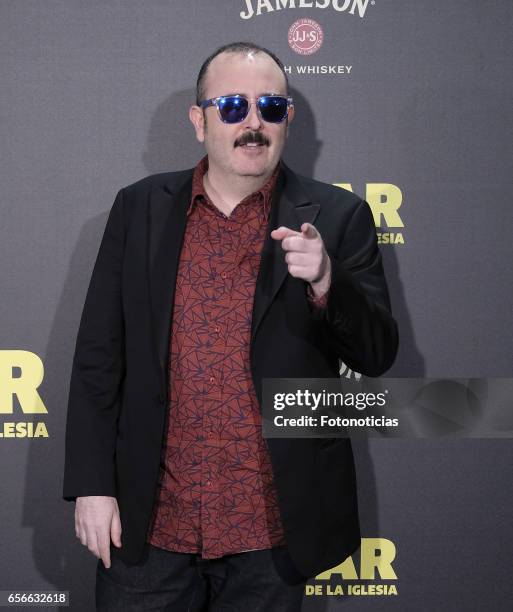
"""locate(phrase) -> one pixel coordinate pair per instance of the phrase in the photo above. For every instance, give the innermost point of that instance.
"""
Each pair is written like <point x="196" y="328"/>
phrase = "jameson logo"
<point x="257" y="7"/>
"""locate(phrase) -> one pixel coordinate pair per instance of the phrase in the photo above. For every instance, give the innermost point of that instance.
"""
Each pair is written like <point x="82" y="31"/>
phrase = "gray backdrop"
<point x="95" y="95"/>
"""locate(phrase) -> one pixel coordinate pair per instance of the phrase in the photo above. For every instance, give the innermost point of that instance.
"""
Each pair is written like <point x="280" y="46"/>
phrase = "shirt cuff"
<point x="318" y="302"/>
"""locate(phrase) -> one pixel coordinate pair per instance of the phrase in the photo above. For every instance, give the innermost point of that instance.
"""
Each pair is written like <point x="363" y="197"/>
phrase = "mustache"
<point x="251" y="137"/>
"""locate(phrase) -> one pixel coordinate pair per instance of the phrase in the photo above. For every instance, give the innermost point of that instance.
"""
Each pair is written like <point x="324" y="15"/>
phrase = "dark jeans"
<point x="255" y="581"/>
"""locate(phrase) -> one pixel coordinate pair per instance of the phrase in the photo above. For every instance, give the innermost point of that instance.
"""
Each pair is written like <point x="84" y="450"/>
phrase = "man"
<point x="207" y="281"/>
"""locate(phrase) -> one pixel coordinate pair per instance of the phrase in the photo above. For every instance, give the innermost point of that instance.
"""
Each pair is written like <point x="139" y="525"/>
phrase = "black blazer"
<point x="118" y="402"/>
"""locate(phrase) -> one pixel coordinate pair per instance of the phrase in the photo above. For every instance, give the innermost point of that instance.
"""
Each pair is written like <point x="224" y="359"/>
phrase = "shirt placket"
<point x="223" y="242"/>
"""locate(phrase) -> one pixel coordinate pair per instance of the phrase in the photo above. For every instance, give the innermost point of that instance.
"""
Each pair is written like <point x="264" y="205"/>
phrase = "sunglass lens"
<point x="233" y="109"/>
<point x="273" y="108"/>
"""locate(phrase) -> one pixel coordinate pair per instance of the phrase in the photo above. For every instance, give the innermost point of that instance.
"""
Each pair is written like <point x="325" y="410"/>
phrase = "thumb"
<point x="115" y="530"/>
<point x="309" y="231"/>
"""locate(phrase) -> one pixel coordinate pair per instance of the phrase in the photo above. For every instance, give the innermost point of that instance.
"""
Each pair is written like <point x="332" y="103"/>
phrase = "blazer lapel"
<point x="167" y="213"/>
<point x="291" y="207"/>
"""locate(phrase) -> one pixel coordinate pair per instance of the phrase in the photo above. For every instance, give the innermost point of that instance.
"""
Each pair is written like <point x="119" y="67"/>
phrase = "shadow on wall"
<point x="171" y="145"/>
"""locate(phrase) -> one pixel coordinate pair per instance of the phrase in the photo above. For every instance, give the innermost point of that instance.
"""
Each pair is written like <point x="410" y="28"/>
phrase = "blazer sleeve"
<point x="357" y="322"/>
<point x="97" y="373"/>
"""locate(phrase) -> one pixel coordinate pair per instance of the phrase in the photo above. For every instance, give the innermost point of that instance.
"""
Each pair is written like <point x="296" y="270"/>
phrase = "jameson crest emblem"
<point x="257" y="7"/>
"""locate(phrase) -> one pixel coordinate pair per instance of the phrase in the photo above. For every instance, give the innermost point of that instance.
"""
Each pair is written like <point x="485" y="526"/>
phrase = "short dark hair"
<point x="235" y="47"/>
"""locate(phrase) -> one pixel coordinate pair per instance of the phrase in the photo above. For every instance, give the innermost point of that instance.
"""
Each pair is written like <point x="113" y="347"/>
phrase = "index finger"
<point x="282" y="232"/>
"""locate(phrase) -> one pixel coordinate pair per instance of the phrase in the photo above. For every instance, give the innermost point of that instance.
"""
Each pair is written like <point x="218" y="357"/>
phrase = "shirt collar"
<point x="265" y="191"/>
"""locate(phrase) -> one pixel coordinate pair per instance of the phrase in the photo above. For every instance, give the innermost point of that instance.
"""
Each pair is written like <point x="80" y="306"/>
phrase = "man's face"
<point x="251" y="75"/>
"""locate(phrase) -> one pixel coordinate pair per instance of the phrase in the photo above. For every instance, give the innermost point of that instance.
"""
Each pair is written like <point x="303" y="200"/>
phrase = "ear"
<point x="198" y="121"/>
<point x="290" y="115"/>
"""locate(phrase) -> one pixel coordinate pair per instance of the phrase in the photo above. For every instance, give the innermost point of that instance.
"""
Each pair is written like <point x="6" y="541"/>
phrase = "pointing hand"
<point x="306" y="255"/>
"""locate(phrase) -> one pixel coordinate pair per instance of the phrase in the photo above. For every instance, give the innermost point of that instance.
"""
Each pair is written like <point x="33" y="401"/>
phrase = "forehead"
<point x="251" y="74"/>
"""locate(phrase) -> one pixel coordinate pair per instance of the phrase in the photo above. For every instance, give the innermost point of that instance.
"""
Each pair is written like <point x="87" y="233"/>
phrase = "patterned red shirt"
<point x="216" y="493"/>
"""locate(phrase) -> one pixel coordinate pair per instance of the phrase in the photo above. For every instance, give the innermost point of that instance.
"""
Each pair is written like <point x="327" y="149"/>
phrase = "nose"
<point x="253" y="120"/>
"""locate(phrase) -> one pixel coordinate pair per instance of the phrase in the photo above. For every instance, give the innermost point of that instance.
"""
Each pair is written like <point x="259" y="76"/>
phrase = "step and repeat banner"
<point x="408" y="105"/>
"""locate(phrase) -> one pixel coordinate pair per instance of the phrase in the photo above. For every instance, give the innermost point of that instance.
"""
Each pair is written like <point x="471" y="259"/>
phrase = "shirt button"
<point x="211" y="379"/>
<point x="210" y="434"/>
<point x="216" y="328"/>
<point x="223" y="275"/>
<point x="209" y="483"/>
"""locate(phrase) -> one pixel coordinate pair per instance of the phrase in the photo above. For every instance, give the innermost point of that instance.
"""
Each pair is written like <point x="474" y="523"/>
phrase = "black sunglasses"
<point x="234" y="109"/>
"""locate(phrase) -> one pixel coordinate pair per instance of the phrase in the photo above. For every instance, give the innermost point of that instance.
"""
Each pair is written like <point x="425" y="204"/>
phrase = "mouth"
<point x="251" y="148"/>
<point x="251" y="145"/>
<point x="252" y="141"/>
